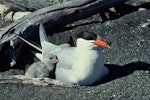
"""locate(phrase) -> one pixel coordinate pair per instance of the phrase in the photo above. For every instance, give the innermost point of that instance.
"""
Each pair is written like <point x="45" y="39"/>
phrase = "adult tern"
<point x="83" y="64"/>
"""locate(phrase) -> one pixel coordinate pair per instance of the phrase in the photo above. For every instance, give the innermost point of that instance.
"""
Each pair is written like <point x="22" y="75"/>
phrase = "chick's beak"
<point x="55" y="60"/>
<point x="101" y="43"/>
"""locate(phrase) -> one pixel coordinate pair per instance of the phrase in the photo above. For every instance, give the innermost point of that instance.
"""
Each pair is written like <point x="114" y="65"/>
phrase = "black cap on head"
<point x="87" y="35"/>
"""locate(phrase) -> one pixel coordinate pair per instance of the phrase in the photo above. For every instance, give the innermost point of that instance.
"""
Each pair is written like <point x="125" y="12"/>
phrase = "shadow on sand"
<point x="122" y="71"/>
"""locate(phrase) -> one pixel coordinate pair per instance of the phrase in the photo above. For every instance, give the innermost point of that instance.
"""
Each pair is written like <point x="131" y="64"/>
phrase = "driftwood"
<point x="53" y="17"/>
<point x="12" y="12"/>
<point x="35" y="81"/>
<point x="57" y="15"/>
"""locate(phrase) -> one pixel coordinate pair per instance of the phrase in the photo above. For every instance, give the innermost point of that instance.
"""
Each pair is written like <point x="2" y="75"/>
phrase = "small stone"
<point x="145" y="24"/>
<point x="147" y="72"/>
<point x="141" y="9"/>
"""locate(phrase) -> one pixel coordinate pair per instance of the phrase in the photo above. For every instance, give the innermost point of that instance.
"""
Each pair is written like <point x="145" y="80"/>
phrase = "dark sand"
<point x="128" y="60"/>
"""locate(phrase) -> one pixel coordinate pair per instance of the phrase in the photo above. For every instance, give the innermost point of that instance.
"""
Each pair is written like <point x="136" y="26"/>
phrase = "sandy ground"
<point x="128" y="60"/>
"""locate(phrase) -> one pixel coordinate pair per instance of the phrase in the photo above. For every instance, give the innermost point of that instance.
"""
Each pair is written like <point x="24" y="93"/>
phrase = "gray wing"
<point x="67" y="58"/>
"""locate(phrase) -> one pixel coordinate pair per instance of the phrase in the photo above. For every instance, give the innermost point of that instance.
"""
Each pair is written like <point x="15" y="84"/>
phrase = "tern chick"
<point x="41" y="69"/>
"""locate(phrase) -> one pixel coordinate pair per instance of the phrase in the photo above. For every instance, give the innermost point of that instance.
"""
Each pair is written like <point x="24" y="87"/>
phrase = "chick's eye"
<point x="50" y="58"/>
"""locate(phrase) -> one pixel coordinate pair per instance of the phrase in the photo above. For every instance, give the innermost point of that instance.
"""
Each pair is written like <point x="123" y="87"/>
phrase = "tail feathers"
<point x="38" y="55"/>
<point x="43" y="36"/>
<point x="29" y="43"/>
<point x="46" y="45"/>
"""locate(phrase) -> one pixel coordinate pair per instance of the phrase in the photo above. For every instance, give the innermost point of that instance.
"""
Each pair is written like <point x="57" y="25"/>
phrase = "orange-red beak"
<point x="55" y="60"/>
<point x="101" y="43"/>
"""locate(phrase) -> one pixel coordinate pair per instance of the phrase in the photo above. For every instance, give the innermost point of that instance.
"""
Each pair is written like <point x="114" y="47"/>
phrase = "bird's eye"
<point x="50" y="58"/>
